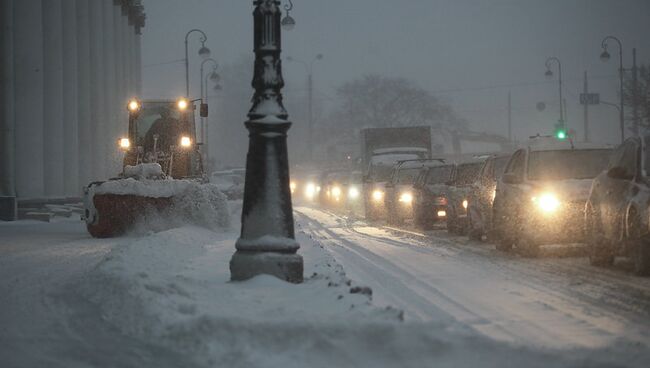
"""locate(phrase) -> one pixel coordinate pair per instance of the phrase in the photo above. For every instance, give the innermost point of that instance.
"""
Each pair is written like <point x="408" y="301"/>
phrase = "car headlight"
<point x="377" y="195"/>
<point x="310" y="190"/>
<point x="293" y="186"/>
<point x="186" y="142"/>
<point x="465" y="203"/>
<point x="182" y="104"/>
<point x="125" y="143"/>
<point x="353" y="193"/>
<point x="336" y="192"/>
<point x="406" y="197"/>
<point x="547" y="202"/>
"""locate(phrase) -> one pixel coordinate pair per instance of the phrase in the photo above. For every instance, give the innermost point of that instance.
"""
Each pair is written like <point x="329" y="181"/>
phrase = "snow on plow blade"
<point x="115" y="207"/>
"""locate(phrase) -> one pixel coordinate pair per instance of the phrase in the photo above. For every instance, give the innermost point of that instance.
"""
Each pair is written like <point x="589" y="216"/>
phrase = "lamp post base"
<point x="8" y="209"/>
<point x="285" y="266"/>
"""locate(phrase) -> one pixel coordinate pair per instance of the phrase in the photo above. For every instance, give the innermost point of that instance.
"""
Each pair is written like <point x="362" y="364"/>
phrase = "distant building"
<point x="67" y="68"/>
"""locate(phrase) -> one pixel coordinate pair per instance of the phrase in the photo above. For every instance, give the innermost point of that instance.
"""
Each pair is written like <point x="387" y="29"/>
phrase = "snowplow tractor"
<point x="160" y="148"/>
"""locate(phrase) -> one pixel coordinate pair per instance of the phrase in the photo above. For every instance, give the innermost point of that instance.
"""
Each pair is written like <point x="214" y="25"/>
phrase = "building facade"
<point x="68" y="68"/>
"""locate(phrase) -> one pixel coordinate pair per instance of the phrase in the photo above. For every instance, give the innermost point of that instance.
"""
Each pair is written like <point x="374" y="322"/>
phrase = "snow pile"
<point x="145" y="188"/>
<point x="144" y="171"/>
<point x="172" y="289"/>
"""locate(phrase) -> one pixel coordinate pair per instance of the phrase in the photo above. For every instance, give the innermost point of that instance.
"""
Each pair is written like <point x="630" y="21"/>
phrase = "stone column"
<point x="267" y="243"/>
<point x="8" y="204"/>
<point x="98" y="119"/>
<point x="71" y="183"/>
<point x="52" y="98"/>
<point x="137" y="67"/>
<point x="85" y="137"/>
<point x="109" y="138"/>
<point x="28" y="94"/>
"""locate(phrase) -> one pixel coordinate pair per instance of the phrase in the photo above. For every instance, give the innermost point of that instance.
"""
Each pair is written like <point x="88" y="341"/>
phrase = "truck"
<point x="381" y="148"/>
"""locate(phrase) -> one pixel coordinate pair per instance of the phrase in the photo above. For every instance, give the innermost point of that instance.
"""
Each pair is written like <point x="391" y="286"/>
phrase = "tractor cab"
<point x="163" y="132"/>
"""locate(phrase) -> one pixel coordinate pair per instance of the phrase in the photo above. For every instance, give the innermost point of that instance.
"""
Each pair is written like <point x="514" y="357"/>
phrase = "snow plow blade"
<point x="115" y="214"/>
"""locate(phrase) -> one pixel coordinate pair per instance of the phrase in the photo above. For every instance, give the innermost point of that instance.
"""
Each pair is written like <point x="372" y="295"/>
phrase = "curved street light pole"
<point x="604" y="56"/>
<point x="204" y="52"/>
<point x="550" y="74"/>
<point x="204" y="97"/>
<point x="310" y="90"/>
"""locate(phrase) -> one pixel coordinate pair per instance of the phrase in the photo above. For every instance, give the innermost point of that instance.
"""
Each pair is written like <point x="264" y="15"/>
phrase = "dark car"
<point x="430" y="191"/>
<point x="542" y="194"/>
<point x="399" y="189"/>
<point x="463" y="177"/>
<point x="481" y="196"/>
<point x="617" y="212"/>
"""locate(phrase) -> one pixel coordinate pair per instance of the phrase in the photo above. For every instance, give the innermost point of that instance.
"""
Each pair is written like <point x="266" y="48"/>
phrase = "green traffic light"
<point x="561" y="134"/>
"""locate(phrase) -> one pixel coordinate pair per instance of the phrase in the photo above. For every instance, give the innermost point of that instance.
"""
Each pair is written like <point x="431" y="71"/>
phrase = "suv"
<point x="465" y="174"/>
<point x="542" y="194"/>
<point x="617" y="212"/>
<point x="430" y="195"/>
<point x="481" y="196"/>
<point x="399" y="189"/>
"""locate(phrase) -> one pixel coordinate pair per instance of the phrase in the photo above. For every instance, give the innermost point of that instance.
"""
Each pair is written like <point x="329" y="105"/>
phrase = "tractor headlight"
<point x="547" y="202"/>
<point x="310" y="190"/>
<point x="465" y="203"/>
<point x="186" y="142"/>
<point x="125" y="143"/>
<point x="406" y="198"/>
<point x="353" y="193"/>
<point x="134" y="105"/>
<point x="293" y="185"/>
<point x="377" y="195"/>
<point x="336" y="191"/>
<point x="182" y="104"/>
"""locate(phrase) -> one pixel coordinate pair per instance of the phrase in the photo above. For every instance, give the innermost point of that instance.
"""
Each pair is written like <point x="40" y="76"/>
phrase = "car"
<point x="229" y="182"/>
<point x="431" y="189"/>
<point x="399" y="189"/>
<point x="618" y="209"/>
<point x="481" y="196"/>
<point x="541" y="196"/>
<point x="463" y="177"/>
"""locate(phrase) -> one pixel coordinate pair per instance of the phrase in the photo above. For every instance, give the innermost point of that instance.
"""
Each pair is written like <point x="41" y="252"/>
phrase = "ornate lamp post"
<point x="204" y="96"/>
<point x="310" y="90"/>
<point x="604" y="56"/>
<point x="549" y="74"/>
<point x="267" y="243"/>
<point x="204" y="53"/>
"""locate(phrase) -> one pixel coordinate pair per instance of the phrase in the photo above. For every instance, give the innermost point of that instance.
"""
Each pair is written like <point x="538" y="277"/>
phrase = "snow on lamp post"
<point x="204" y="53"/>
<point x="267" y="243"/>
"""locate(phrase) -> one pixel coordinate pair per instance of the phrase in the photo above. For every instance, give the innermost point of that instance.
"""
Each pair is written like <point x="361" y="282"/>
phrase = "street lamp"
<point x="288" y="23"/>
<point x="204" y="97"/>
<point x="310" y="90"/>
<point x="267" y="242"/>
<point x="204" y="53"/>
<point x="605" y="56"/>
<point x="561" y="133"/>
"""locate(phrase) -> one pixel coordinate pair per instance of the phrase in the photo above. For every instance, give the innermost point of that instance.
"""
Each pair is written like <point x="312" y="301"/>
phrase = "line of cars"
<point x="548" y="192"/>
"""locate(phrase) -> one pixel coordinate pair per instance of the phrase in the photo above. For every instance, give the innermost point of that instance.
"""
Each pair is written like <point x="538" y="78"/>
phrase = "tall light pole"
<point x="267" y="242"/>
<point x="310" y="96"/>
<point x="215" y="77"/>
<point x="204" y="53"/>
<point x="605" y="56"/>
<point x="549" y="74"/>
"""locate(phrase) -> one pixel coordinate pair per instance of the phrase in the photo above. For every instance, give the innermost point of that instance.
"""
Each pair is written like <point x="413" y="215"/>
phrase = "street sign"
<point x="589" y="98"/>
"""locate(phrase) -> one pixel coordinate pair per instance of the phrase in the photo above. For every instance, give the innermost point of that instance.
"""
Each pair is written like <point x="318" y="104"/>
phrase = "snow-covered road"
<point x="557" y="303"/>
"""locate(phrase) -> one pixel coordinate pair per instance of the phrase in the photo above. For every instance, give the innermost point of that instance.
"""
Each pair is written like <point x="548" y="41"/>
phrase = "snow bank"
<point x="145" y="188"/>
<point x="172" y="289"/>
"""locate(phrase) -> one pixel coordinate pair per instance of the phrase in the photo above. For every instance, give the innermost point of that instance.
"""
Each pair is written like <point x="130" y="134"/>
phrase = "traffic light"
<point x="560" y="131"/>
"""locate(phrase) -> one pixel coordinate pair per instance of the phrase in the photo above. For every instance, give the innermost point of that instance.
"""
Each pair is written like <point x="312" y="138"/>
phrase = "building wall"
<point x="68" y="69"/>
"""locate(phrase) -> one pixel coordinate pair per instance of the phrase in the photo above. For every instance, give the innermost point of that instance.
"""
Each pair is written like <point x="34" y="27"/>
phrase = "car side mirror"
<point x="620" y="173"/>
<point x="511" y="179"/>
<point x="203" y="110"/>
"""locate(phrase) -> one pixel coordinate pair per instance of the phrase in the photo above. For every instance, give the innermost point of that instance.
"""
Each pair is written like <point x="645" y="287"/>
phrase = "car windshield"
<point x="439" y="175"/>
<point x="567" y="164"/>
<point x="467" y="173"/>
<point x="380" y="172"/>
<point x="500" y="165"/>
<point x="407" y="176"/>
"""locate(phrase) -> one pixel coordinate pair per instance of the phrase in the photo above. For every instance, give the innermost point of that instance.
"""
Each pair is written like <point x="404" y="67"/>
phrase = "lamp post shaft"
<point x="267" y="242"/>
<point x="187" y="62"/>
<point x="310" y="86"/>
<point x="621" y="73"/>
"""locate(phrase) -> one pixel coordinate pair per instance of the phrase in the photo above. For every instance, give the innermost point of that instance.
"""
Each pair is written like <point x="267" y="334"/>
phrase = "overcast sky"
<point x="468" y="52"/>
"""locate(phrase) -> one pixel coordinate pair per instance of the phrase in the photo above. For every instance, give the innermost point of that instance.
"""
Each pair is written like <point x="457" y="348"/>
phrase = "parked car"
<point x="481" y="196"/>
<point x="229" y="182"/>
<point x="464" y="175"/>
<point x="542" y="194"/>
<point x="617" y="212"/>
<point x="399" y="189"/>
<point x="430" y="195"/>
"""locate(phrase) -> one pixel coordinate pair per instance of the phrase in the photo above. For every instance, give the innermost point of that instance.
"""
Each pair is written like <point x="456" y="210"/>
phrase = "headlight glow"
<point x="134" y="105"/>
<point x="336" y="191"/>
<point x="310" y="190"/>
<point x="442" y="213"/>
<point x="547" y="202"/>
<point x="186" y="142"/>
<point x="293" y="186"/>
<point x="182" y="104"/>
<point x="406" y="197"/>
<point x="377" y="195"/>
<point x="465" y="203"/>
<point x="125" y="143"/>
<point x="353" y="193"/>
